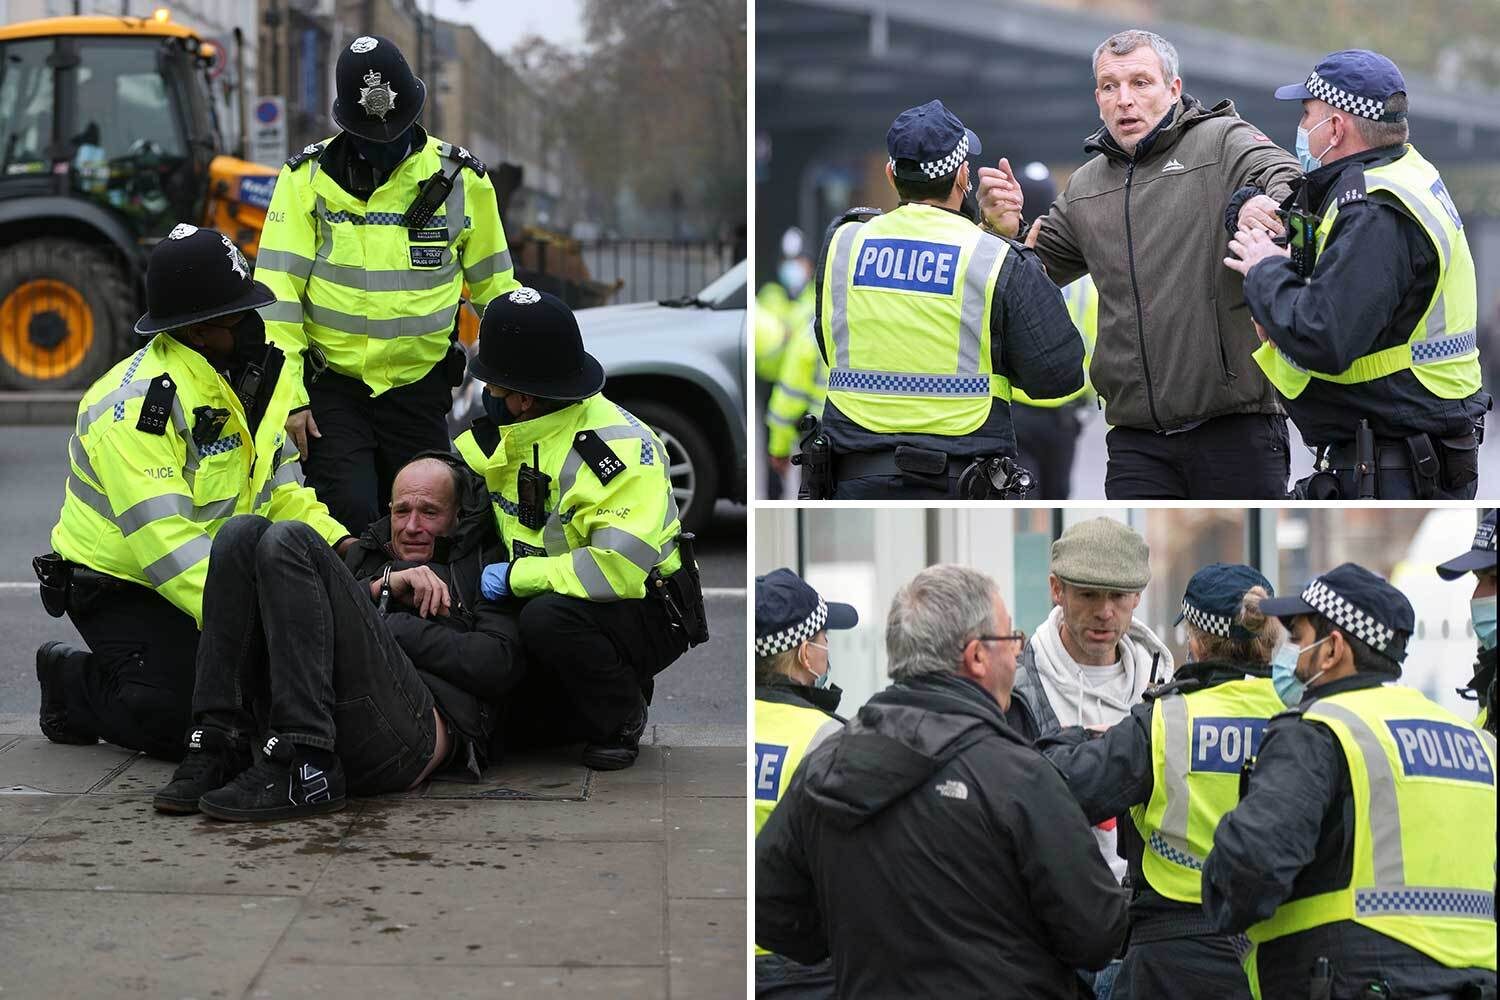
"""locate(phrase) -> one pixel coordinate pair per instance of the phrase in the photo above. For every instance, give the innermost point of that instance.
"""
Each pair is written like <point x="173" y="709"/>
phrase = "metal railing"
<point x="645" y="270"/>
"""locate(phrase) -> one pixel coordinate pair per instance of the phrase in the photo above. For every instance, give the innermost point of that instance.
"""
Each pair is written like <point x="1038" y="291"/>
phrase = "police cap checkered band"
<point x="793" y="635"/>
<point x="1205" y="622"/>
<point x="1364" y="107"/>
<point x="1347" y="617"/>
<point x="948" y="164"/>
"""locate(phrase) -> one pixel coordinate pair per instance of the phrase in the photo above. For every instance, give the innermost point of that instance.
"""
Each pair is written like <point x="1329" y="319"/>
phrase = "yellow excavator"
<point x="108" y="138"/>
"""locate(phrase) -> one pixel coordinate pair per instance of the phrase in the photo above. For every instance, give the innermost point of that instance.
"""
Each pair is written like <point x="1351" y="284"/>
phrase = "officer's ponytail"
<point x="1266" y="631"/>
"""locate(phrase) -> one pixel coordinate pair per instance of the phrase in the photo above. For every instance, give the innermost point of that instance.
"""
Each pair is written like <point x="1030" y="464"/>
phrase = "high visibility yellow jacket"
<point x="771" y="304"/>
<point x="800" y="388"/>
<point x="611" y="516"/>
<point x="145" y="507"/>
<point x="378" y="299"/>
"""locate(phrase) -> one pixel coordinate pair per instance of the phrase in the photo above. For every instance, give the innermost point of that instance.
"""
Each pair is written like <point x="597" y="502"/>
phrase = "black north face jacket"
<point x="933" y="853"/>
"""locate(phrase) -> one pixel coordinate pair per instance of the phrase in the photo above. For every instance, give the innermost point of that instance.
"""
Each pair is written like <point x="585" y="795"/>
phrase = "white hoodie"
<point x="1076" y="703"/>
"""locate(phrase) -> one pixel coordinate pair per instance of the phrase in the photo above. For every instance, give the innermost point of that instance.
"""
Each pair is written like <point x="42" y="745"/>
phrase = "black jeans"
<point x="365" y="440"/>
<point x="601" y="656"/>
<point x="293" y="645"/>
<point x="1046" y="440"/>
<point x="135" y="687"/>
<point x="1242" y="456"/>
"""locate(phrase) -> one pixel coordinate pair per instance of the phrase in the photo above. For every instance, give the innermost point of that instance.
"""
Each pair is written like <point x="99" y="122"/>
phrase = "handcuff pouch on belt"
<point x="68" y="587"/>
<point x="314" y="364"/>
<point x="816" y="460"/>
<point x="681" y="594"/>
<point x="532" y="486"/>
<point x="996" y="477"/>
<point x="55" y="574"/>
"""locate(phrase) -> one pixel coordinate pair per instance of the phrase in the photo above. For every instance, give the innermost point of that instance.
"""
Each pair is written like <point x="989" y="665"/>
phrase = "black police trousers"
<point x="135" y="686"/>
<point x="1241" y="456"/>
<point x="366" y="439"/>
<point x="1205" y="966"/>
<point x="589" y="665"/>
<point x="1046" y="440"/>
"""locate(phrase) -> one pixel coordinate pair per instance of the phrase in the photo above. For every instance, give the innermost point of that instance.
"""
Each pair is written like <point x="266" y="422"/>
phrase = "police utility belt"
<point x="71" y="587"/>
<point x="987" y="477"/>
<point x="1352" y="470"/>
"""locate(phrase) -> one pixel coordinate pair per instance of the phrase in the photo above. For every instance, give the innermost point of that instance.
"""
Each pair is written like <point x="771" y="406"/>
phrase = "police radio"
<point x="1300" y="237"/>
<point x="435" y="190"/>
<point x="532" y="485"/>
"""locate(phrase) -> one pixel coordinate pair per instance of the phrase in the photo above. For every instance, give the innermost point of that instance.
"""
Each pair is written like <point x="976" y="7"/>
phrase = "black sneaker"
<point x="621" y="749"/>
<point x="211" y="761"/>
<point x="287" y="782"/>
<point x="54" y="713"/>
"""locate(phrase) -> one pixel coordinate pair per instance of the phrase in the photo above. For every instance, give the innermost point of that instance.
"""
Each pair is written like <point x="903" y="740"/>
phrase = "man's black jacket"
<point x="933" y="853"/>
<point x="470" y="658"/>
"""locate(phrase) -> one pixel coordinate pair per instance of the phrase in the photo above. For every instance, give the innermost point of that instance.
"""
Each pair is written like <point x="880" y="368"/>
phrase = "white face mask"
<point x="820" y="680"/>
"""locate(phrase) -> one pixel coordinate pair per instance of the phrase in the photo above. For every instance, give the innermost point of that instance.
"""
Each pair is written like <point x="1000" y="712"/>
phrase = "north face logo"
<point x="953" y="790"/>
<point x="1172" y="164"/>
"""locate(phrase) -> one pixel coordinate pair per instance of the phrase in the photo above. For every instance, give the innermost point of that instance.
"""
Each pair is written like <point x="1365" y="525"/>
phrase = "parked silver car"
<point x="679" y="365"/>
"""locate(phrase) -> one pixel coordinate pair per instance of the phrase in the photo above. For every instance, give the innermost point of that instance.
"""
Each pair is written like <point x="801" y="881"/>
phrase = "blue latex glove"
<point x="494" y="582"/>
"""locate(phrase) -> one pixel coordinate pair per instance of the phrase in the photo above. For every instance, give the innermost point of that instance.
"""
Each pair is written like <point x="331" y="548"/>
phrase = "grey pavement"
<point x="542" y="879"/>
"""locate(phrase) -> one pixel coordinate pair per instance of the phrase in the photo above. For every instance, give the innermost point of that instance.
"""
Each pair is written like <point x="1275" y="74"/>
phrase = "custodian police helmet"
<point x="378" y="96"/>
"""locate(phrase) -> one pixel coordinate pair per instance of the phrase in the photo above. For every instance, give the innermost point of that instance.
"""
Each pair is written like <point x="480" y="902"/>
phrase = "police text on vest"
<point x="1223" y="744"/>
<point x="907" y="265"/>
<point x="1430" y="749"/>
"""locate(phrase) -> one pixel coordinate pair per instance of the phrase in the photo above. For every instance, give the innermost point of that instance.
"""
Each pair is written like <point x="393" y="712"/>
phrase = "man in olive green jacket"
<point x="1192" y="415"/>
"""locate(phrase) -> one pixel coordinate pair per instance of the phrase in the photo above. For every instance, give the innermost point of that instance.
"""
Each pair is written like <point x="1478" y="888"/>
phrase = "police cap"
<point x="377" y="95"/>
<point x="788" y="612"/>
<point x="1355" y="80"/>
<point x="929" y="142"/>
<point x="1480" y="557"/>
<point x="1358" y="603"/>
<point x="1215" y="594"/>
<point x="529" y="342"/>
<point x="195" y="275"/>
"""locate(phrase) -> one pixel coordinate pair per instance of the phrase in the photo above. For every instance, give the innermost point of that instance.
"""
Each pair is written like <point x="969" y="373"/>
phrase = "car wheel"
<point x="690" y="461"/>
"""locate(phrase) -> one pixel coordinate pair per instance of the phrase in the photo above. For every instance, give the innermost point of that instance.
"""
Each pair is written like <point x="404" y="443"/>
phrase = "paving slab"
<point x="649" y="769"/>
<point x="37" y="764"/>
<point x="141" y="775"/>
<point x="620" y="817"/>
<point x="707" y="943"/>
<point x="103" y="944"/>
<point x="421" y="901"/>
<point x="353" y="982"/>
<point x="21" y="813"/>
<point x="705" y="847"/>
<point x="707" y="770"/>
<point x="553" y="775"/>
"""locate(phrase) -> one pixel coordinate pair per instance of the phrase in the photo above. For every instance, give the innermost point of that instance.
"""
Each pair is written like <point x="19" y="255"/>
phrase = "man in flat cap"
<point x="1480" y="560"/>
<point x="1360" y="862"/>
<point x="1368" y="317"/>
<point x="926" y="322"/>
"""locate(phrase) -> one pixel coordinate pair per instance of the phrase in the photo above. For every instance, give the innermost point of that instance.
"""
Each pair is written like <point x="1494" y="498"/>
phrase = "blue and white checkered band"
<point x="1484" y="537"/>
<point x="1205" y="622"/>
<point x="948" y="164"/>
<point x="794" y="635"/>
<point x="1347" y="617"/>
<point x="1343" y="100"/>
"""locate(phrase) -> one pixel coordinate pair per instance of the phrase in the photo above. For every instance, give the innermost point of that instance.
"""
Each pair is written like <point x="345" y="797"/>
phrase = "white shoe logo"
<point x="1172" y="164"/>
<point x="953" y="790"/>
<point x="270" y="745"/>
<point x="195" y="742"/>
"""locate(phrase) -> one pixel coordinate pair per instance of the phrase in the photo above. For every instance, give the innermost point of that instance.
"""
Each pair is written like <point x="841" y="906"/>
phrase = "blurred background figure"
<point x="783" y="308"/>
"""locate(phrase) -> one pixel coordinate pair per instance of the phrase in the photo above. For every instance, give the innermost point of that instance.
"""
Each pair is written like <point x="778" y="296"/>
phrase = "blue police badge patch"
<point x="769" y="759"/>
<point x="1224" y="744"/>
<point x="1430" y="749"/>
<point x="907" y="266"/>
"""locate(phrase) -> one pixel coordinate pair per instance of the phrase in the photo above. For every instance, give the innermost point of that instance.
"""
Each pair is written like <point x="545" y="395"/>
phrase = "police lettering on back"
<point x="1439" y="750"/>
<point x="907" y="265"/>
<point x="1223" y="744"/>
<point x="768" y="761"/>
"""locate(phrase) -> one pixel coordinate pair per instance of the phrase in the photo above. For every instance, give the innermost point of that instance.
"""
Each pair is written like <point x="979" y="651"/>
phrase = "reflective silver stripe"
<point x="787" y="390"/>
<point x="569" y="474"/>
<point x="554" y="536"/>
<point x="282" y="311"/>
<point x="488" y="267"/>
<point x="1174" y="717"/>
<point x="641" y="553"/>
<point x="81" y="458"/>
<point x="595" y="584"/>
<point x="91" y="497"/>
<point x="382" y="329"/>
<point x="454" y="207"/>
<point x="667" y="550"/>
<point x="1489" y="741"/>
<point x="1384" y="817"/>
<point x="324" y="227"/>
<point x="171" y="505"/>
<point x="362" y="280"/>
<point x="284" y="261"/>
<point x="976" y="293"/>
<point x="843" y="242"/>
<point x="1424" y="902"/>
<point x="1437" y="315"/>
<point x="187" y="555"/>
<point x="671" y="515"/>
<point x="781" y="421"/>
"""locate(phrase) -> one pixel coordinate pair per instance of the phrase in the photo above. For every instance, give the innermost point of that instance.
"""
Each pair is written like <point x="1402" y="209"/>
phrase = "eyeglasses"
<point x="1018" y="636"/>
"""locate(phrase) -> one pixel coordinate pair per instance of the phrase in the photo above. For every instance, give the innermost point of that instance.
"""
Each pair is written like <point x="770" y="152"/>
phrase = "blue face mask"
<point x="821" y="680"/>
<point x="1284" y="671"/>
<point x="496" y="410"/>
<point x="1482" y="609"/>
<point x="793" y="276"/>
<point x="1304" y="153"/>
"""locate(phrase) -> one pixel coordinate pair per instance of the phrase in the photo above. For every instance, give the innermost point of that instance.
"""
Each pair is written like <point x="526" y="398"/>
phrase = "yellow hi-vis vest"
<point x="605" y="530"/>
<point x="771" y="306"/>
<point x="1199" y="743"/>
<point x="799" y="389"/>
<point x="1082" y="300"/>
<point x="1442" y="351"/>
<point x="145" y="507"/>
<point x="1424" y="830"/>
<point x="784" y="734"/>
<point x="906" y="322"/>
<point x="378" y="299"/>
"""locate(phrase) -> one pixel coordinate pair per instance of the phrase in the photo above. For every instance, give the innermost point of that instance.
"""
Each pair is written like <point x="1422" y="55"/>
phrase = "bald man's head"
<point x="424" y="505"/>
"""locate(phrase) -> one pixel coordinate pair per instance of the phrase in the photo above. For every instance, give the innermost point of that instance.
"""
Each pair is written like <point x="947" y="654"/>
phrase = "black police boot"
<point x="287" y="782"/>
<point x="54" y="714"/>
<point x="620" y="750"/>
<point x="212" y="761"/>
